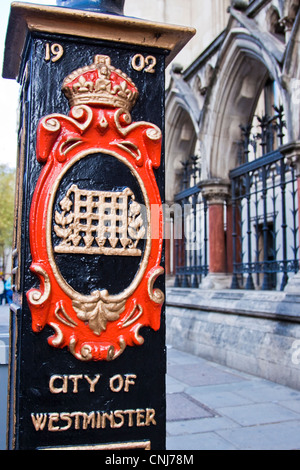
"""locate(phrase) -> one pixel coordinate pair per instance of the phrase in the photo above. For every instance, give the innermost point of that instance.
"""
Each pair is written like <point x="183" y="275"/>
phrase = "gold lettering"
<point x="99" y="421"/>
<point x="93" y="420"/>
<point x="130" y="419"/>
<point x="47" y="56"/>
<point x="56" y="50"/>
<point x="119" y="415"/>
<point x="129" y="381"/>
<point x="150" y="415"/>
<point x="151" y="62"/>
<point x="53" y="417"/>
<point x="39" y="421"/>
<point x="139" y="417"/>
<point x="110" y="418"/>
<point x="140" y="63"/>
<point x="119" y="387"/>
<point x="92" y="383"/>
<point x="66" y="417"/>
<point x="56" y="390"/>
<point x="75" y="379"/>
<point x="77" y="415"/>
<point x="89" y="419"/>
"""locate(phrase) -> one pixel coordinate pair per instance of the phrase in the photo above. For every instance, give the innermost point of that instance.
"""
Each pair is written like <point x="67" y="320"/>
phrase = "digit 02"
<point x="146" y="64"/>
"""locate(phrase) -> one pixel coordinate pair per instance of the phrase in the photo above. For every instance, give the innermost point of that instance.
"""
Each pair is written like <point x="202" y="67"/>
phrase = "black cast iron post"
<point x="87" y="368"/>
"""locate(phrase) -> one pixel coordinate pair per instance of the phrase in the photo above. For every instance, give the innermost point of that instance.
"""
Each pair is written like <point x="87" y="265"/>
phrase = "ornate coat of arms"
<point x="97" y="210"/>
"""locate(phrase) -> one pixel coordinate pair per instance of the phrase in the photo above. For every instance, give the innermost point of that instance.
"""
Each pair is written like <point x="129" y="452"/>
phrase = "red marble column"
<point x="217" y="248"/>
<point x="229" y="239"/>
<point x="216" y="193"/>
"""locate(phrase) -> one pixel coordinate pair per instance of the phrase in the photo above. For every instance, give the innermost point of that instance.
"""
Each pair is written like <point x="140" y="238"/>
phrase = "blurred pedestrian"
<point x="2" y="290"/>
<point x="8" y="290"/>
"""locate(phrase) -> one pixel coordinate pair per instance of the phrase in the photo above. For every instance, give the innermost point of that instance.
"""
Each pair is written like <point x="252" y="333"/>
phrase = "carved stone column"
<point x="216" y="193"/>
<point x="289" y="14"/>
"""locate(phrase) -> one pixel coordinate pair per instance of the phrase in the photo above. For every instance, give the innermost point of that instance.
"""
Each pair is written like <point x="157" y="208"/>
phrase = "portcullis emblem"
<point x="96" y="242"/>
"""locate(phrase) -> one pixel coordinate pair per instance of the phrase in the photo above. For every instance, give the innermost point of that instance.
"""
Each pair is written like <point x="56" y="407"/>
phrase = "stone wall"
<point x="253" y="333"/>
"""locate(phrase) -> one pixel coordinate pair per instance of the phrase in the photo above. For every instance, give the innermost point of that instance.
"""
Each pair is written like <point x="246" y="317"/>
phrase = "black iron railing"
<point x="263" y="139"/>
<point x="265" y="211"/>
<point x="191" y="242"/>
<point x="265" y="228"/>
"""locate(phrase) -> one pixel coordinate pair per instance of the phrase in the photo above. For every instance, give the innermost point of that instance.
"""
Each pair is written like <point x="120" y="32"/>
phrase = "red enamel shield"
<point x="82" y="214"/>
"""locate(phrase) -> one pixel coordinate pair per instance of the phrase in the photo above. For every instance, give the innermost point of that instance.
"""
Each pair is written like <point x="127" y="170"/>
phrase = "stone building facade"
<point x="233" y="175"/>
<point x="208" y="17"/>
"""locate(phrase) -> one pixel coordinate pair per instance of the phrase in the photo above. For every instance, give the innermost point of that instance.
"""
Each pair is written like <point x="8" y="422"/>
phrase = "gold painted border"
<point x="146" y="445"/>
<point x="69" y="291"/>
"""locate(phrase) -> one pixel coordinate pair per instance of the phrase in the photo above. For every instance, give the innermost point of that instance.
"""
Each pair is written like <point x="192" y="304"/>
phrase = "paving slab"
<point x="268" y="393"/>
<point x="196" y="426"/>
<point x="293" y="405"/>
<point x="259" y="413"/>
<point x="201" y="374"/>
<point x="174" y="386"/>
<point x="204" y="441"/>
<point x="279" y="436"/>
<point x="220" y="399"/>
<point x="4" y="316"/>
<point x="183" y="407"/>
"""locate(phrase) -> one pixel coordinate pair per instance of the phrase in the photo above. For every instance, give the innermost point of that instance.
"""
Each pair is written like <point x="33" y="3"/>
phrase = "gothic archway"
<point x="243" y="69"/>
<point x="181" y="142"/>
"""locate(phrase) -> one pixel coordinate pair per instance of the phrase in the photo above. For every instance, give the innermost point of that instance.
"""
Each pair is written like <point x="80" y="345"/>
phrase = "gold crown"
<point x="100" y="83"/>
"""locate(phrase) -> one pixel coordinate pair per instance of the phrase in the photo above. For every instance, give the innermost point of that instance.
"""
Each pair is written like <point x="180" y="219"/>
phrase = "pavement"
<point x="4" y="316"/>
<point x="212" y="407"/>
<point x="4" y="337"/>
